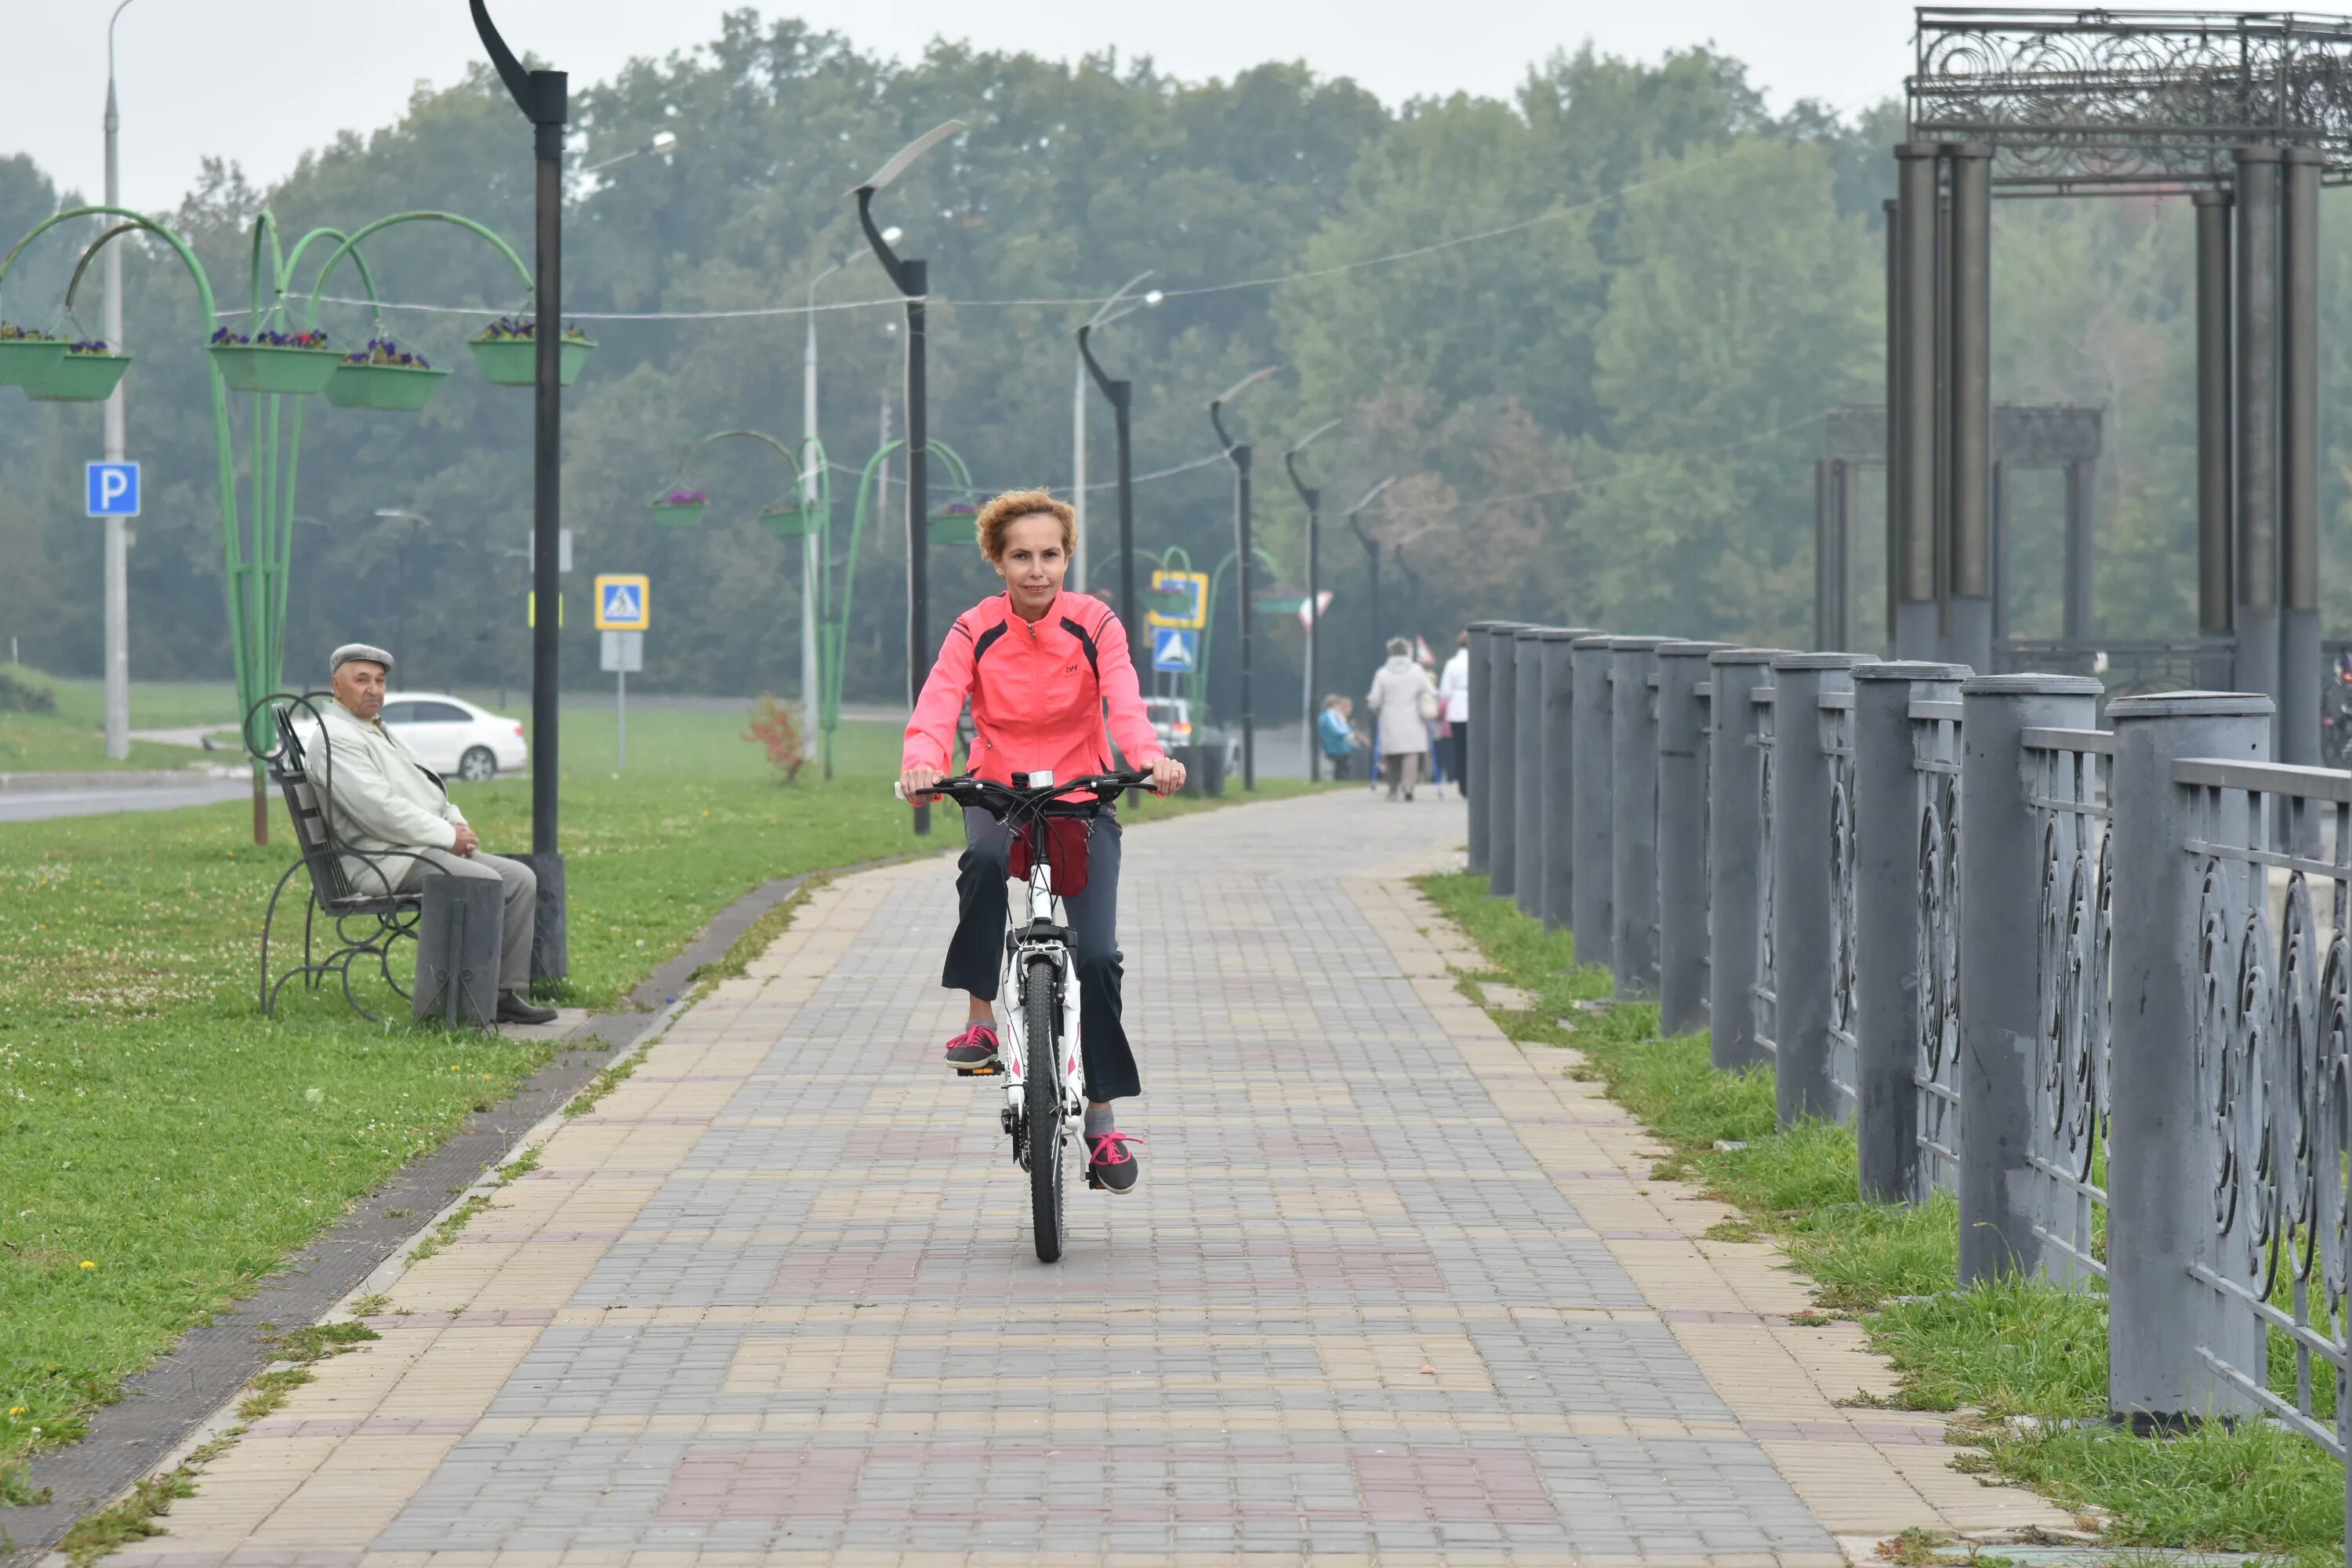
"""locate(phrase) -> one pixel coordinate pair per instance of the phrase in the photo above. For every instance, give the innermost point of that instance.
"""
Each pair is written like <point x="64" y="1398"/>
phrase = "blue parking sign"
<point x="114" y="489"/>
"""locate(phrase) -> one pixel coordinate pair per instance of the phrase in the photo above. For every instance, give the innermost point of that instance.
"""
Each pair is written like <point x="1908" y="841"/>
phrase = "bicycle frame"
<point x="1044" y="934"/>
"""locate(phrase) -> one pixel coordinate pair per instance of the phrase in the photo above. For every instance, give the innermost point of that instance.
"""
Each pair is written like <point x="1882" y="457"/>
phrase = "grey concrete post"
<point x="1886" y="919"/>
<point x="1682" y="835"/>
<point x="1528" y="758"/>
<point x="2160" y="1172"/>
<point x="458" y="944"/>
<point x="1734" y="861"/>
<point x="1633" y="806"/>
<point x="2000" y="938"/>
<point x="1592" y="815"/>
<point x="1560" y="773"/>
<point x="1482" y="718"/>
<point x="1499" y="753"/>
<point x="1804" y="958"/>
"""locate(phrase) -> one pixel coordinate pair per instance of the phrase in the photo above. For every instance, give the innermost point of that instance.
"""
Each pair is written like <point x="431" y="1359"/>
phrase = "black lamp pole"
<point x="1372" y="554"/>
<point x="1119" y="392"/>
<point x="911" y="276"/>
<point x="1313" y="496"/>
<point x="1239" y="453"/>
<point x="544" y="96"/>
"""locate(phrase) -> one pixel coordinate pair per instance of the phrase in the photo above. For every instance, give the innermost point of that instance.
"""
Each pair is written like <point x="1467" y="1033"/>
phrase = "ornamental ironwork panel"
<point x="2067" y="1148"/>
<point x="1766" y="987"/>
<point x="1837" y="745"/>
<point x="1936" y="767"/>
<point x="2086" y="98"/>
<point x="2273" y="1043"/>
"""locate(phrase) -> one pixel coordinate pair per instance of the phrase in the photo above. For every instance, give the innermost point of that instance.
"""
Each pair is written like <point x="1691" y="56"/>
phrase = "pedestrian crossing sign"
<point x="1172" y="648"/>
<point x="623" y="601"/>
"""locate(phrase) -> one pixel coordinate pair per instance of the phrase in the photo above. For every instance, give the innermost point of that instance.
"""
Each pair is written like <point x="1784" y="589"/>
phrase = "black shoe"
<point x="1109" y="1164"/>
<point x="514" y="1007"/>
<point x="972" y="1054"/>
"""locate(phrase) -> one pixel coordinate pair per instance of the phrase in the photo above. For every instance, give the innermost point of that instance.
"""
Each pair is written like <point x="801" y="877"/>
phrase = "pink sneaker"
<point x="973" y="1052"/>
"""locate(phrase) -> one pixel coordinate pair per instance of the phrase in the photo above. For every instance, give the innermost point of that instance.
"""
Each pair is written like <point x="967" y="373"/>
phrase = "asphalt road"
<point x="35" y="806"/>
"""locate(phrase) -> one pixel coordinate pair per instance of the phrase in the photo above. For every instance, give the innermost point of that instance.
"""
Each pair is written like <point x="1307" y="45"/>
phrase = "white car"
<point x="453" y="737"/>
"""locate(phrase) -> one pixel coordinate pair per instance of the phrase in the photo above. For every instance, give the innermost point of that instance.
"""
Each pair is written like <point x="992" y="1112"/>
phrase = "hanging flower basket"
<point x="89" y="373"/>
<point x="294" y="363"/>
<point x="27" y="355"/>
<point x="384" y="376"/>
<point x="678" y="508"/>
<point x="955" y="523"/>
<point x="788" y="521"/>
<point x="507" y="352"/>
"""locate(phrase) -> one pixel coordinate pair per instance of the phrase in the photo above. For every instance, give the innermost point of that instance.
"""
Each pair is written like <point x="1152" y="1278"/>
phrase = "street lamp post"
<point x="417" y="523"/>
<point x="1120" y="393"/>
<point x="542" y="96"/>
<point x="118" y="445"/>
<point x="663" y="144"/>
<point x="811" y="695"/>
<point x="1238" y="454"/>
<point x="911" y="276"/>
<point x="1372" y="554"/>
<point x="1313" y="496"/>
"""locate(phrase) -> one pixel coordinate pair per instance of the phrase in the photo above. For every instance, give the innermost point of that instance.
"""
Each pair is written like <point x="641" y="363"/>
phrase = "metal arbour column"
<point x="1912" y="413"/>
<point x="2000" y="950"/>
<point x="1804" y="957"/>
<point x="1633" y="802"/>
<point x="2299" y="650"/>
<point x="1734" y="861"/>
<point x="1834" y="488"/>
<point x="1528" y="758"/>
<point x="1892" y="525"/>
<point x="1886" y="919"/>
<point x="1482" y="721"/>
<point x="1969" y="420"/>
<point x="2159" y="1178"/>
<point x="1560" y="773"/>
<point x="2214" y="495"/>
<point x="1593" y="814"/>
<point x="1682" y="736"/>
<point x="2257" y="354"/>
<point x="1501" y="759"/>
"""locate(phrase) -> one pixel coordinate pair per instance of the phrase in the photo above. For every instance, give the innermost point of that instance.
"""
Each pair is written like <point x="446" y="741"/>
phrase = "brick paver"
<point x="1391" y="1289"/>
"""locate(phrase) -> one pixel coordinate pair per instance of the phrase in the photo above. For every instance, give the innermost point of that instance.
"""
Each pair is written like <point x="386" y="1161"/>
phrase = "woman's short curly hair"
<point x="1013" y="505"/>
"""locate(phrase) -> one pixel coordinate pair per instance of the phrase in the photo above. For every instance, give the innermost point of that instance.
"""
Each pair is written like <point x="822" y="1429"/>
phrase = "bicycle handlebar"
<point x="998" y="799"/>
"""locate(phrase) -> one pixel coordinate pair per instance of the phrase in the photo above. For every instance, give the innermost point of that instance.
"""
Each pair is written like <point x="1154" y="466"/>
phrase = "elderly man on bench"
<point x="396" y="811"/>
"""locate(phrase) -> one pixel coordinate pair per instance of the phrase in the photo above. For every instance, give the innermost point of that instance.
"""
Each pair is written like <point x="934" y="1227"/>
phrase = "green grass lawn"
<point x="73" y="739"/>
<point x="163" y="1146"/>
<point x="1994" y="1351"/>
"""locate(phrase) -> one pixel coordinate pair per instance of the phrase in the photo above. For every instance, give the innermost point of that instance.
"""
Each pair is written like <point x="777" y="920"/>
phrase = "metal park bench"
<point x="366" y="921"/>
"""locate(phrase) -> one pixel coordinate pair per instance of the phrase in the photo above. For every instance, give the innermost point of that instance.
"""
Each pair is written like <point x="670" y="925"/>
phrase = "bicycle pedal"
<point x="990" y="1070"/>
<point x="1093" y="1181"/>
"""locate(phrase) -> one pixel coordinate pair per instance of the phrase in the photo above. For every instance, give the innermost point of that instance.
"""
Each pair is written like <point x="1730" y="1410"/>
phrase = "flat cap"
<point x="358" y="651"/>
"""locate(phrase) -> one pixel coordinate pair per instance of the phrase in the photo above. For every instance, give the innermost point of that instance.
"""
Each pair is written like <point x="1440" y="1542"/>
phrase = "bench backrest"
<point x="312" y="832"/>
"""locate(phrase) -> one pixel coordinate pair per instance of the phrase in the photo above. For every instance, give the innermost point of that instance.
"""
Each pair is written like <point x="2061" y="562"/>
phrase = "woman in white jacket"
<point x="1405" y="702"/>
<point x="1454" y="690"/>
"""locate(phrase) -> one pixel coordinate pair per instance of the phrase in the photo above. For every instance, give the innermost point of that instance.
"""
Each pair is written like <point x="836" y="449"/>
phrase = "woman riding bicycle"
<point x="1040" y="665"/>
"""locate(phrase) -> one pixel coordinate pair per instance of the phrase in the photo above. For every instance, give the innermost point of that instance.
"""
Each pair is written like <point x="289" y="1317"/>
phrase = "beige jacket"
<point x="381" y="797"/>
<point x="1396" y="697"/>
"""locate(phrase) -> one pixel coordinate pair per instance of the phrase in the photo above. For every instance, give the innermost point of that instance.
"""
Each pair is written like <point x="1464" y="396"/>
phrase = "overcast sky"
<point x="333" y="65"/>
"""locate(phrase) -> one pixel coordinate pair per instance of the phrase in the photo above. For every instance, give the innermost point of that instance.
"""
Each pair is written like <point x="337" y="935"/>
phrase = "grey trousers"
<point x="522" y="917"/>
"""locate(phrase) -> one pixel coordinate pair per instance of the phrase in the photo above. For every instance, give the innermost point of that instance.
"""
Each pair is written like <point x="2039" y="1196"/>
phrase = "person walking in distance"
<point x="1453" y="689"/>
<point x="1404" y="702"/>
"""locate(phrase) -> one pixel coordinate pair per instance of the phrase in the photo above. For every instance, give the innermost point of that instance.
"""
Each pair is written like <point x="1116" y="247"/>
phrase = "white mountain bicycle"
<point x="1044" y="1071"/>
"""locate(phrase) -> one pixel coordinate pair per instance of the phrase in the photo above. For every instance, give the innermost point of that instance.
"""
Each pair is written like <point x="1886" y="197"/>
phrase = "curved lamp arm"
<point x="1311" y="494"/>
<point x="541" y="95"/>
<point x="1217" y="404"/>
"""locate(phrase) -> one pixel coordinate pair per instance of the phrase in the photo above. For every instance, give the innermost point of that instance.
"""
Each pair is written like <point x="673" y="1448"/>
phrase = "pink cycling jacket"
<point x="1039" y="693"/>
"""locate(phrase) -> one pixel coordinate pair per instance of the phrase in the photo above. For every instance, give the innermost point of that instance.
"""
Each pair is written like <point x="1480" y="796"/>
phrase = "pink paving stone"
<point x="762" y="1485"/>
<point x="846" y="1274"/>
<point x="1485" y="1485"/>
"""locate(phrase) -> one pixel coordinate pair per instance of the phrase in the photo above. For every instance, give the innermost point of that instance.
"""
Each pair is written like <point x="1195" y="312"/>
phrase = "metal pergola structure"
<point x="2250" y="113"/>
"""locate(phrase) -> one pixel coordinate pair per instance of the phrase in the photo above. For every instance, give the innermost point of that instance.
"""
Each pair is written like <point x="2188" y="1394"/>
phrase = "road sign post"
<point x="624" y="610"/>
<point x="112" y="490"/>
<point x="623" y="653"/>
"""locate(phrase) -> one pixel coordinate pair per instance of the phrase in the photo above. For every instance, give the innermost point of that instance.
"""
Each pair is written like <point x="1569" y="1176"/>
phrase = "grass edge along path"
<point x="2022" y="1367"/>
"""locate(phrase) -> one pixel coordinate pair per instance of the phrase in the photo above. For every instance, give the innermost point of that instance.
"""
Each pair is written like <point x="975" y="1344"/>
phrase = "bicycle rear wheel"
<point x="1042" y="1102"/>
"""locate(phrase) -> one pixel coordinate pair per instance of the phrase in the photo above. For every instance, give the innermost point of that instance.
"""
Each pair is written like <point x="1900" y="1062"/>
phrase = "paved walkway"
<point x="1392" y="1289"/>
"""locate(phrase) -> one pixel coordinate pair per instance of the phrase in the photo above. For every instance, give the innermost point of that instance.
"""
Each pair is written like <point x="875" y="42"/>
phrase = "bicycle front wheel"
<point x="1042" y="1093"/>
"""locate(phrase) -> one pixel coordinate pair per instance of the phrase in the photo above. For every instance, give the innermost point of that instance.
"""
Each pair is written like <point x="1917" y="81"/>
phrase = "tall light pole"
<point x="810" y="481"/>
<point x="118" y="445"/>
<point x="1313" y="496"/>
<point x="1238" y="454"/>
<point x="911" y="276"/>
<point x="417" y="523"/>
<point x="1372" y="553"/>
<point x="1110" y="311"/>
<point x="1121" y="407"/>
<point x="544" y="96"/>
